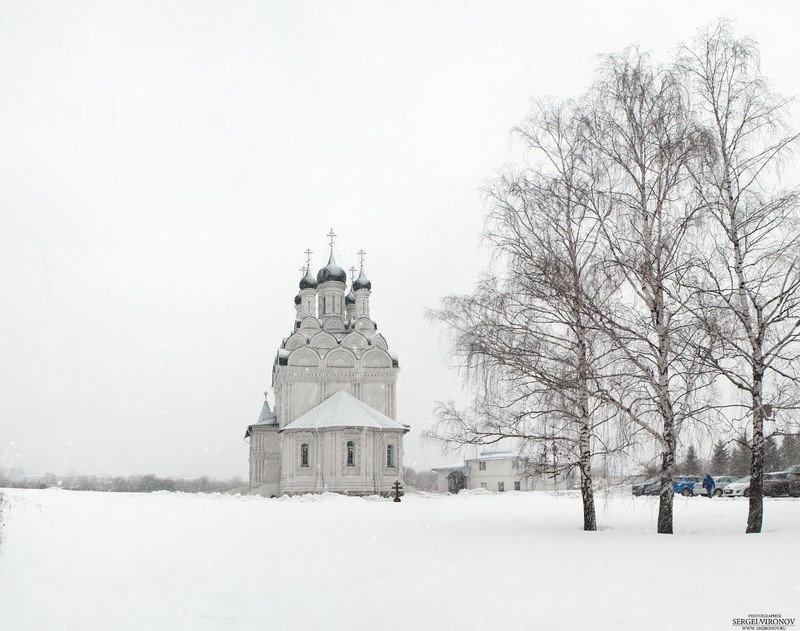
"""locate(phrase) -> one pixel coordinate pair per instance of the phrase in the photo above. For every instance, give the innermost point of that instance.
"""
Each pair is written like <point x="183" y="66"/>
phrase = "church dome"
<point x="361" y="282"/>
<point x="350" y="298"/>
<point x="298" y="299"/>
<point x="308" y="281"/>
<point x="331" y="272"/>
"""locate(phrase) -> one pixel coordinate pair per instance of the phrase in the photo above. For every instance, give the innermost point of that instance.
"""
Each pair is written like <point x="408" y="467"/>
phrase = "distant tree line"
<point x="128" y="484"/>
<point x="420" y="480"/>
<point x="733" y="458"/>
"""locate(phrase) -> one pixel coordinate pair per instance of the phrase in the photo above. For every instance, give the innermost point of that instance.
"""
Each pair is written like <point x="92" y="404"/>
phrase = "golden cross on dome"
<point x="308" y="258"/>
<point x="361" y="255"/>
<point x="332" y="237"/>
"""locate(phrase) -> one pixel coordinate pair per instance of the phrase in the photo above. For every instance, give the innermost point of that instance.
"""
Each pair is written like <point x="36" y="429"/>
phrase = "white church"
<point x="334" y="427"/>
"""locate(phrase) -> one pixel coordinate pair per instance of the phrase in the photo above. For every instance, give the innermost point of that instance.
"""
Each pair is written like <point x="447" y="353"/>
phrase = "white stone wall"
<point x="318" y="365"/>
<point x="497" y="470"/>
<point x="328" y="469"/>
<point x="265" y="460"/>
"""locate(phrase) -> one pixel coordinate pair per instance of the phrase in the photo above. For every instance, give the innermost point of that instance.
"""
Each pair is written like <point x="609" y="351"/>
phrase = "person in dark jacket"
<point x="709" y="484"/>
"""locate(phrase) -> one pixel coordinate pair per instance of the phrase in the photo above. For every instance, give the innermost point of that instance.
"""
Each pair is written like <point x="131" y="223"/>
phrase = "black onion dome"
<point x="350" y="298"/>
<point x="308" y="281"/>
<point x="297" y="299"/>
<point x="361" y="282"/>
<point x="331" y="272"/>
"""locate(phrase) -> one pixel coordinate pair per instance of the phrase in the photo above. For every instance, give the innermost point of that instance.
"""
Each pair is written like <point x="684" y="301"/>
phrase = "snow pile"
<point x="71" y="560"/>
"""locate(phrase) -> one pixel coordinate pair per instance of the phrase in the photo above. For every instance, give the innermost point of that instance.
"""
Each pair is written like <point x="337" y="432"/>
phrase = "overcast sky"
<point x="165" y="164"/>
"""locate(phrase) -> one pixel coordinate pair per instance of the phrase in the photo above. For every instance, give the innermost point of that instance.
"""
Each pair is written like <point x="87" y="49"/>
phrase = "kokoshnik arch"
<point x="334" y="427"/>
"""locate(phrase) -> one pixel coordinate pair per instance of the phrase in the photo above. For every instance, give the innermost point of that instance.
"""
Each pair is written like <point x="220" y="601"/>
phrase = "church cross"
<point x="361" y="255"/>
<point x="308" y="258"/>
<point x="397" y="487"/>
<point x="332" y="237"/>
<point x="352" y="273"/>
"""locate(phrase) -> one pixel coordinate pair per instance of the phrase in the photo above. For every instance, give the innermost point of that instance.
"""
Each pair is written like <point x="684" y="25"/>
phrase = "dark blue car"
<point x="684" y="484"/>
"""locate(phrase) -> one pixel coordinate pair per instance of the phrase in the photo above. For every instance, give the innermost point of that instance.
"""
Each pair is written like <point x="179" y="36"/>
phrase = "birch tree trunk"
<point x="748" y="286"/>
<point x="645" y="141"/>
<point x="524" y="339"/>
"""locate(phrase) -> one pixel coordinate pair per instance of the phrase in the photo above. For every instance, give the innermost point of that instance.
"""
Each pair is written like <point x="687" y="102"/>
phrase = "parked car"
<point x="648" y="487"/>
<point x="741" y="488"/>
<point x="720" y="482"/>
<point x="685" y="484"/>
<point x="653" y="488"/>
<point x="776" y="483"/>
<point x="794" y="485"/>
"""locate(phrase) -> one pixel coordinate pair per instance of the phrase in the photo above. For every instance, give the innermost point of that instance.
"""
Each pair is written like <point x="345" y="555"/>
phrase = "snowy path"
<point x="72" y="560"/>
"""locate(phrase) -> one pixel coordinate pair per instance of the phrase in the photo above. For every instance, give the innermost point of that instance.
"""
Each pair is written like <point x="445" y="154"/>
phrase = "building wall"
<point x="299" y="389"/>
<point x="265" y="460"/>
<point x="496" y="471"/>
<point x="320" y="359"/>
<point x="327" y="469"/>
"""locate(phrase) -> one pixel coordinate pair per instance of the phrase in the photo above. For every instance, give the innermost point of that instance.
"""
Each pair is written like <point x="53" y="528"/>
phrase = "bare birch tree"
<point x="641" y="130"/>
<point x="525" y="343"/>
<point x="750" y="268"/>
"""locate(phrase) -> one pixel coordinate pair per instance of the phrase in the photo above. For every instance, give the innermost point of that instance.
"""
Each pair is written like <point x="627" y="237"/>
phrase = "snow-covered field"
<point x="71" y="560"/>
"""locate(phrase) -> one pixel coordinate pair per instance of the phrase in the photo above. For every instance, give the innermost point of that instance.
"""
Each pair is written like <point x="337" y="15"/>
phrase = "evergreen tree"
<point x="719" y="459"/>
<point x="790" y="450"/>
<point x="692" y="464"/>
<point x="739" y="463"/>
<point x="772" y="460"/>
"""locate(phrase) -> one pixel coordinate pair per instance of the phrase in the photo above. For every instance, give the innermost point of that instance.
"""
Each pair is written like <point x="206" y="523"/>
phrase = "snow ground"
<point x="72" y="560"/>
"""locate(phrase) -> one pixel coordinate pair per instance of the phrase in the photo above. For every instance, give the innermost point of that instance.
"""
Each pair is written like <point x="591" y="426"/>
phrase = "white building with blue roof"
<point x="334" y="426"/>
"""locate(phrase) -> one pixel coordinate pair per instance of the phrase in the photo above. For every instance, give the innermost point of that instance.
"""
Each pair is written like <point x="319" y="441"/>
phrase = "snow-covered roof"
<point x="343" y="410"/>
<point x="266" y="418"/>
<point x="494" y="455"/>
<point x="452" y="467"/>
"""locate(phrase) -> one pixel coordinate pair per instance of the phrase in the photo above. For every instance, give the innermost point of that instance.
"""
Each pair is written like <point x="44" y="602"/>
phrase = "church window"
<point x="351" y="453"/>
<point x="389" y="455"/>
<point x="516" y="485"/>
<point x="501" y="486"/>
<point x="483" y="485"/>
<point x="304" y="455"/>
<point x="481" y="466"/>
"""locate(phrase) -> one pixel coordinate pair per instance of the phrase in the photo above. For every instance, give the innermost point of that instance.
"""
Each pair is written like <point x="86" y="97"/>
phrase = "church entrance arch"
<point x="456" y="481"/>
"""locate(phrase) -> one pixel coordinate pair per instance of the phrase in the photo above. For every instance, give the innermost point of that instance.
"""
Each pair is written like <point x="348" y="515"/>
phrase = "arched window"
<point x="389" y="455"/>
<point x="304" y="455"/>
<point x="351" y="453"/>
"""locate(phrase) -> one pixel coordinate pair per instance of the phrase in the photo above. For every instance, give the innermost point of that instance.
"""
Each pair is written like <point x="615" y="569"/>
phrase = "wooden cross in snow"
<point x="397" y="488"/>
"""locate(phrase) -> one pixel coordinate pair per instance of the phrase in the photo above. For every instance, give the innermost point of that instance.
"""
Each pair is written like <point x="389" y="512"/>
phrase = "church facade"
<point x="334" y="427"/>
